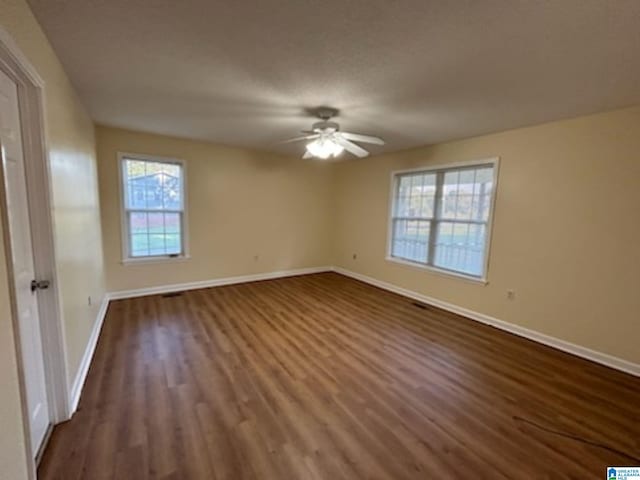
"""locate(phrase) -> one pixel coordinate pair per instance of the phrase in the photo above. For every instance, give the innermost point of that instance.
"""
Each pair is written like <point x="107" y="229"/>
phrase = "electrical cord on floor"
<point x="578" y="439"/>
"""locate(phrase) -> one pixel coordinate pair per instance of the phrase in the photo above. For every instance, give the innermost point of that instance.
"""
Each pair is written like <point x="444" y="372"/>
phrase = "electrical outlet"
<point x="511" y="294"/>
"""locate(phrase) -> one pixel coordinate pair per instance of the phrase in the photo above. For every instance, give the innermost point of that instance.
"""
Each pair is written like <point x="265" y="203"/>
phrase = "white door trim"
<point x="31" y="98"/>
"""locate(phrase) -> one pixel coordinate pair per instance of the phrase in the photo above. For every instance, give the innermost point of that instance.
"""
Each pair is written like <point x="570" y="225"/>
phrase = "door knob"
<point x="39" y="285"/>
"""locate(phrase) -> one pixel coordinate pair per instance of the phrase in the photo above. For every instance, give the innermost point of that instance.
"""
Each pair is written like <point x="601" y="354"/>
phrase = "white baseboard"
<point x="572" y="348"/>
<point x="81" y="376"/>
<point x="217" y="282"/>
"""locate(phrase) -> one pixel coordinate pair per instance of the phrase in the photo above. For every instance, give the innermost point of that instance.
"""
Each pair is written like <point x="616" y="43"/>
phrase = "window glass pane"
<point x="427" y="196"/>
<point x="485" y="175"/>
<point x="404" y="185"/>
<point x="411" y="240"/>
<point x="156" y="223"/>
<point x="132" y="170"/>
<point x="138" y="223"/>
<point x="484" y="207"/>
<point x="172" y="242"/>
<point x="171" y="194"/>
<point x="466" y="194"/>
<point x="402" y="206"/>
<point x="153" y="185"/>
<point x="482" y="194"/>
<point x="415" y="195"/>
<point x="139" y="245"/>
<point x="137" y="198"/>
<point x="172" y="222"/>
<point x="460" y="247"/>
<point x="155" y="233"/>
<point x="135" y="168"/>
<point x="139" y="232"/>
<point x="449" y="203"/>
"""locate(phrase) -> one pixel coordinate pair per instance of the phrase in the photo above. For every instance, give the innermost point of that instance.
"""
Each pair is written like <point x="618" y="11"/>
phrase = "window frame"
<point x="127" y="259"/>
<point x="494" y="162"/>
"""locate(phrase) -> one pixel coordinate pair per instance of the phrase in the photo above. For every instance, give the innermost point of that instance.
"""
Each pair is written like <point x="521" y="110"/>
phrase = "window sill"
<point x="438" y="271"/>
<point x="152" y="260"/>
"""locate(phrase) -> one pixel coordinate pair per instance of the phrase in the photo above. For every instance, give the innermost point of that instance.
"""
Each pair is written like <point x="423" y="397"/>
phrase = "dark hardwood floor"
<point x="324" y="377"/>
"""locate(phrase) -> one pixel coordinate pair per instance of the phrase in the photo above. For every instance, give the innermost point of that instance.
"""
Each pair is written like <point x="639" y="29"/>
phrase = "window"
<point x="153" y="207"/>
<point x="441" y="217"/>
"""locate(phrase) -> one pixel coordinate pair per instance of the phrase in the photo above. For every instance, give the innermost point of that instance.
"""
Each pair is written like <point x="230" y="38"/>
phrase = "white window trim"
<point x="126" y="259"/>
<point x="495" y="163"/>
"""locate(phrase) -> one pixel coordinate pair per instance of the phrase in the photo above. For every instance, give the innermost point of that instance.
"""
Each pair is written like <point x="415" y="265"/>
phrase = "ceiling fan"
<point x="325" y="139"/>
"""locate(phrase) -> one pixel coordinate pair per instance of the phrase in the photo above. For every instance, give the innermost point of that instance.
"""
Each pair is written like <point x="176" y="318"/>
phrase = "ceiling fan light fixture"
<point x="324" y="148"/>
<point x="326" y="139"/>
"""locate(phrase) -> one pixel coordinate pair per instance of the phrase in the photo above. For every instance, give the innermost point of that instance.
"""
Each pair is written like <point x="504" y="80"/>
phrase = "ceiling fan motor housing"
<point x="325" y="126"/>
<point x="325" y="113"/>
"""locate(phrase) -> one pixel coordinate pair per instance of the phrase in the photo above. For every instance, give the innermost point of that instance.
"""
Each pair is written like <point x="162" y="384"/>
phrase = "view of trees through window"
<point x="153" y="206"/>
<point x="440" y="217"/>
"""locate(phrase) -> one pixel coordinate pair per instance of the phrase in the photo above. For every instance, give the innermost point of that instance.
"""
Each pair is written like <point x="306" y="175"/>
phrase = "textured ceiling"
<point x="414" y="72"/>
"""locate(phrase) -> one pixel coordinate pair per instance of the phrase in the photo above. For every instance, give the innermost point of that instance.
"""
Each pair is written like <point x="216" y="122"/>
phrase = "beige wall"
<point x="565" y="234"/>
<point x="71" y="144"/>
<point x="241" y="203"/>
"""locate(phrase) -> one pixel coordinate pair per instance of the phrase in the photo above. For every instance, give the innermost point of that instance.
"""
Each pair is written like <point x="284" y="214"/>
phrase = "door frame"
<point x="31" y="95"/>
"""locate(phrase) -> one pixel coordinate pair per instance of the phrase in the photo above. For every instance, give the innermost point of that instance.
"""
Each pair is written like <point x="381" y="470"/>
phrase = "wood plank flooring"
<point x="325" y="377"/>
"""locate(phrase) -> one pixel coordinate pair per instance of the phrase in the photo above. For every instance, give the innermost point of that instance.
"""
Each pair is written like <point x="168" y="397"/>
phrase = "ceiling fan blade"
<point x="299" y="139"/>
<point x="350" y="147"/>
<point x="307" y="154"/>
<point x="362" y="138"/>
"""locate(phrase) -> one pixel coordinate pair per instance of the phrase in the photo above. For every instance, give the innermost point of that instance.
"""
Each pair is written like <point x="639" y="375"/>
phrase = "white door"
<point x="22" y="258"/>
